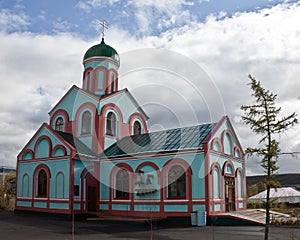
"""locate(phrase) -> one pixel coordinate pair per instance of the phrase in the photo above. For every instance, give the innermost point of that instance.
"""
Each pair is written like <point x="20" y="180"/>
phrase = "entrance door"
<point x="229" y="194"/>
<point x="92" y="199"/>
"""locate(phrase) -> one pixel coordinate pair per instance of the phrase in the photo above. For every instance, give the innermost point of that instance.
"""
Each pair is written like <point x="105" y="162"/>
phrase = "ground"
<point x="17" y="226"/>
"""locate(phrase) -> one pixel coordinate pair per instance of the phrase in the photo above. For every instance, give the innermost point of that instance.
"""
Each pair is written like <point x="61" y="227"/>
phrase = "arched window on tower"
<point x="137" y="128"/>
<point x="176" y="182"/>
<point x="88" y="80"/>
<point x="111" y="124"/>
<point x="112" y="87"/>
<point x="42" y="184"/>
<point x="59" y="124"/>
<point x="86" y="123"/>
<point x="122" y="184"/>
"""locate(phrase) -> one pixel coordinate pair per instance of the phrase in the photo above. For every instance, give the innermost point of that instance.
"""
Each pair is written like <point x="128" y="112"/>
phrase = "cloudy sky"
<point x="185" y="61"/>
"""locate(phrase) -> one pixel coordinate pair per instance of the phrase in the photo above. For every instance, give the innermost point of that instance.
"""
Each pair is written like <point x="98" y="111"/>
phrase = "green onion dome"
<point x="102" y="50"/>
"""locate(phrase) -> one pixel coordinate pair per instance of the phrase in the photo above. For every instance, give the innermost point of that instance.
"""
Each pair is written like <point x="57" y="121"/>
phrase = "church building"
<point x="96" y="155"/>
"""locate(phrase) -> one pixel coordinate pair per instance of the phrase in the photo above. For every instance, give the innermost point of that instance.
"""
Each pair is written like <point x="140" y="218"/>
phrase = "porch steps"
<point x="250" y="216"/>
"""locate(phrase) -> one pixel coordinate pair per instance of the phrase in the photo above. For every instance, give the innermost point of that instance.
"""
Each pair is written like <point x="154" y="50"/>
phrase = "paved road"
<point x="16" y="226"/>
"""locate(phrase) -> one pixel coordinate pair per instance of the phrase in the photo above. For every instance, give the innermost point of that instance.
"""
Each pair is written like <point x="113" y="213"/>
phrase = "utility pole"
<point x="2" y="186"/>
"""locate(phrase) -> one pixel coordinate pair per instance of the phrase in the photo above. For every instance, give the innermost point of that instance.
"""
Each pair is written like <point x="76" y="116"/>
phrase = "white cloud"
<point x="150" y="14"/>
<point x="263" y="43"/>
<point x="90" y="4"/>
<point x="13" y="21"/>
<point x="163" y="13"/>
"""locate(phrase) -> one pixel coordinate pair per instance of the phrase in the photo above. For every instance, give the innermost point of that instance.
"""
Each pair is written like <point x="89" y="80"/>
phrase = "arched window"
<point x="216" y="183"/>
<point x="176" y="182"/>
<point x="59" y="124"/>
<point x="112" y="87"/>
<point x="25" y="185"/>
<point x="59" y="187"/>
<point x="122" y="184"/>
<point x="86" y="123"/>
<point x="88" y="79"/>
<point x="42" y="184"/>
<point x="137" y="128"/>
<point x="111" y="124"/>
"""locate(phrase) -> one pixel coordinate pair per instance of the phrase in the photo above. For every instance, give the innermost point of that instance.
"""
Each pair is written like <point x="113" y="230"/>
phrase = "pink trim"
<point x="152" y="165"/>
<point x="59" y="147"/>
<point x="74" y="87"/>
<point x="85" y="73"/>
<point x="188" y="174"/>
<point x="113" y="173"/>
<point x="109" y="82"/>
<point x="226" y="131"/>
<point x="217" y="140"/>
<point x="27" y="194"/>
<point x="243" y="184"/>
<point x="35" y="184"/>
<point x="97" y="70"/>
<point x="238" y="149"/>
<point x="28" y="151"/>
<point x="213" y="166"/>
<point x="113" y="106"/>
<point x="132" y="119"/>
<point x="67" y="123"/>
<point x="228" y="162"/>
<point x="49" y="142"/>
<point x="63" y="184"/>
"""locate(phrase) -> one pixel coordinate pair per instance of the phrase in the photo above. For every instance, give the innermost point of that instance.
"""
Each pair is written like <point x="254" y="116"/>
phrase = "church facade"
<point x="96" y="155"/>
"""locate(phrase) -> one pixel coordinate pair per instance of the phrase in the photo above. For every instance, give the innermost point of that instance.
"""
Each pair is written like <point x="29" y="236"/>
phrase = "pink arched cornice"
<point x="219" y="142"/>
<point x="86" y="170"/>
<point x="113" y="173"/>
<point x="89" y="69"/>
<point x="63" y="184"/>
<point x="49" y="142"/>
<point x="239" y="170"/>
<point x="97" y="70"/>
<point x="110" y="72"/>
<point x="59" y="147"/>
<point x="35" y="179"/>
<point x="220" y="190"/>
<point x="138" y="116"/>
<point x="243" y="179"/>
<point x="228" y="162"/>
<point x="177" y="161"/>
<point x="217" y="165"/>
<point x="81" y="109"/>
<point x="151" y="164"/>
<point x="119" y="166"/>
<point x="114" y="107"/>
<point x="56" y="114"/>
<point x="44" y="167"/>
<point x="226" y="131"/>
<point x="237" y="148"/>
<point x="23" y="183"/>
<point x="28" y="151"/>
<point x="188" y="172"/>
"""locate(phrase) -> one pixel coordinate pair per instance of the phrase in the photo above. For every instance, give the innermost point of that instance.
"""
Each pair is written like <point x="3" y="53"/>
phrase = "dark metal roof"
<point x="80" y="147"/>
<point x="187" y="138"/>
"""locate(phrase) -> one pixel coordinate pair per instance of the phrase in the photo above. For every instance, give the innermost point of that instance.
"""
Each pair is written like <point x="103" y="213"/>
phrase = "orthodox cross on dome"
<point x="104" y="26"/>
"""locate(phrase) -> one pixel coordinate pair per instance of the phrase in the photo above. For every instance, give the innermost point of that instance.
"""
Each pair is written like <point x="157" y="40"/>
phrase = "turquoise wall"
<point x="57" y="185"/>
<point x="196" y="161"/>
